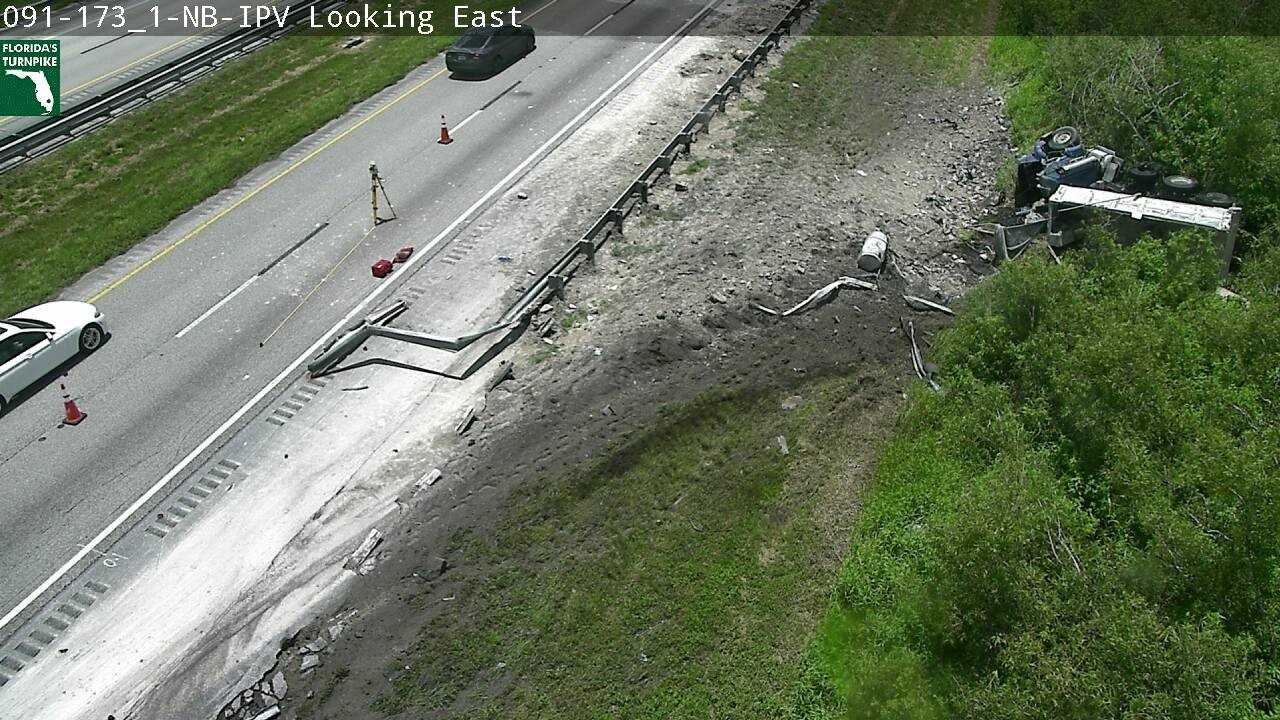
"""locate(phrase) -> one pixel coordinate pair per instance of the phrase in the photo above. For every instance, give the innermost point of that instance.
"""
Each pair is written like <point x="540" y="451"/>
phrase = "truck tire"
<point x="1062" y="138"/>
<point x="1144" y="176"/>
<point x="1215" y="199"/>
<point x="1179" y="187"/>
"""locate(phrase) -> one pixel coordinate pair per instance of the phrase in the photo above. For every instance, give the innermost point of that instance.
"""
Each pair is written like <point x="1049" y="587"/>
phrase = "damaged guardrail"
<point x="554" y="279"/>
<point x="53" y="132"/>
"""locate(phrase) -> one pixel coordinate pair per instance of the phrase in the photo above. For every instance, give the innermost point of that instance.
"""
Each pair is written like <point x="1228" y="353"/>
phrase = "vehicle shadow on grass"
<point x="50" y="378"/>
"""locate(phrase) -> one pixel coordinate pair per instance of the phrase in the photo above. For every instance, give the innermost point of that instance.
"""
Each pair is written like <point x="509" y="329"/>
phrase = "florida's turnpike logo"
<point x="29" y="77"/>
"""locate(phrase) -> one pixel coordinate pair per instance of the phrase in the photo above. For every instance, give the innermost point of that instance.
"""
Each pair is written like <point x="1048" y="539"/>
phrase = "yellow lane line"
<point x="205" y="225"/>
<point x="251" y="194"/>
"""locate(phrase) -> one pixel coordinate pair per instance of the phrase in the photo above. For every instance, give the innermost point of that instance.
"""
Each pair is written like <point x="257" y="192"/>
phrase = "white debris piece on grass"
<point x="919" y="303"/>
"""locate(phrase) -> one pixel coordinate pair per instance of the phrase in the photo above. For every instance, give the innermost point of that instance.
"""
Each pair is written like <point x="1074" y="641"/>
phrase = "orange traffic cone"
<point x="444" y="132"/>
<point x="74" y="416"/>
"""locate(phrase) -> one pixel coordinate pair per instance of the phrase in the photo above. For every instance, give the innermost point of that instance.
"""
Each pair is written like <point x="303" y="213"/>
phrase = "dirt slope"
<point x="668" y="315"/>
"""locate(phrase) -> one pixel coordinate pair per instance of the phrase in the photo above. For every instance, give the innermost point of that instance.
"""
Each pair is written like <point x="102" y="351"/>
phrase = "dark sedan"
<point x="482" y="52"/>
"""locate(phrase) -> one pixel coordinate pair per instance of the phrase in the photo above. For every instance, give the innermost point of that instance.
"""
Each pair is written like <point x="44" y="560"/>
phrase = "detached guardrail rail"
<point x="53" y="132"/>
<point x="553" y="281"/>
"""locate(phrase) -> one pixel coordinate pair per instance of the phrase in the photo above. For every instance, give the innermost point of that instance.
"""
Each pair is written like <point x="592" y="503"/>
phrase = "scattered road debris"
<point x="820" y="297"/>
<point x="429" y="479"/>
<point x="358" y="562"/>
<point x="1226" y="294"/>
<point x="505" y="372"/>
<point x="782" y="445"/>
<point x="917" y="361"/>
<point x="355" y="388"/>
<point x="873" y="251"/>
<point x="467" y="419"/>
<point x="919" y="303"/>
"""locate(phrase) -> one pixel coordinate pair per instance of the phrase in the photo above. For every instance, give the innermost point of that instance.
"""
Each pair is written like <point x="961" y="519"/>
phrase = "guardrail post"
<point x="556" y="283"/>
<point x="641" y="188"/>
<point x="615" y="216"/>
<point x="721" y="98"/>
<point x="703" y="120"/>
<point x="588" y="248"/>
<point x="685" y="140"/>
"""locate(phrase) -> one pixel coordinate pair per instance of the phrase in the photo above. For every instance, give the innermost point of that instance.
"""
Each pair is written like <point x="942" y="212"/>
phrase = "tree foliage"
<point x="1086" y="521"/>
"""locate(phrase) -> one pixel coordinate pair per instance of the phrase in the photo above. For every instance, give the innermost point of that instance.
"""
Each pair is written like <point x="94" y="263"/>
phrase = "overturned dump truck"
<point x="1060" y="182"/>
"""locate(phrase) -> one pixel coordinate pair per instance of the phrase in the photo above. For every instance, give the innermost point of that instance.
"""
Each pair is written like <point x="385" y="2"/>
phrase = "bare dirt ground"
<point x="669" y="313"/>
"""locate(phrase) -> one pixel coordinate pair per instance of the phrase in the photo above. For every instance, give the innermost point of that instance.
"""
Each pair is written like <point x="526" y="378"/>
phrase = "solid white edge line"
<point x="413" y="261"/>
<point x="216" y="307"/>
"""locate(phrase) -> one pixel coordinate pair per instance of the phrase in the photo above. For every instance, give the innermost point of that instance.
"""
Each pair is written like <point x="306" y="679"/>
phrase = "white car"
<point x="36" y="341"/>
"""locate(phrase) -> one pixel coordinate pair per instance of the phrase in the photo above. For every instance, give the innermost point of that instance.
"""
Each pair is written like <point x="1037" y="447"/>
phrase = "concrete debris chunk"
<point x="356" y="562"/>
<point x="267" y="714"/>
<point x="791" y="403"/>
<point x="467" y="419"/>
<point x="504" y="373"/>
<point x="309" y="663"/>
<point x="782" y="445"/>
<point x="279" y="688"/>
<point x="431" y="478"/>
<point x="919" y="303"/>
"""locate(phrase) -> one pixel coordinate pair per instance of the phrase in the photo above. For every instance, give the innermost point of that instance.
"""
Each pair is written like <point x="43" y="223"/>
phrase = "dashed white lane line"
<point x="359" y="308"/>
<point x="600" y="24"/>
<point x="216" y="307"/>
<point x="470" y="117"/>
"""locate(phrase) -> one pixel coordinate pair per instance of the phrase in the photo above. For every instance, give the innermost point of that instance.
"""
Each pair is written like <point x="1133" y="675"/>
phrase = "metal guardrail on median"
<point x="592" y="241"/>
<point x="53" y="132"/>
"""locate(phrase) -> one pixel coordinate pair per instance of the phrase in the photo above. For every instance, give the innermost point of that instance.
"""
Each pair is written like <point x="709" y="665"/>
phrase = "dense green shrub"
<point x="1086" y="521"/>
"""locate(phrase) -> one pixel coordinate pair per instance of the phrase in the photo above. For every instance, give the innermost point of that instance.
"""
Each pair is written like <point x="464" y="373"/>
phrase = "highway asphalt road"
<point x="97" y="60"/>
<point x="188" y="314"/>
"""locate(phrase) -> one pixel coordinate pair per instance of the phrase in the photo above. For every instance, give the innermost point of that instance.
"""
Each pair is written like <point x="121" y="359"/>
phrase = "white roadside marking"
<point x="413" y="261"/>
<point x="216" y="307"/>
<point x="470" y="117"/>
<point x="475" y="114"/>
<point x="597" y="26"/>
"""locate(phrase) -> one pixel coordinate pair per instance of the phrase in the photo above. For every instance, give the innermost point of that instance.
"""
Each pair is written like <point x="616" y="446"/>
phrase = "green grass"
<point x="679" y="577"/>
<point x="1083" y="524"/>
<point x="695" y="166"/>
<point x="572" y="319"/>
<point x="67" y="213"/>
<point x="543" y="354"/>
<point x="819" y="97"/>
